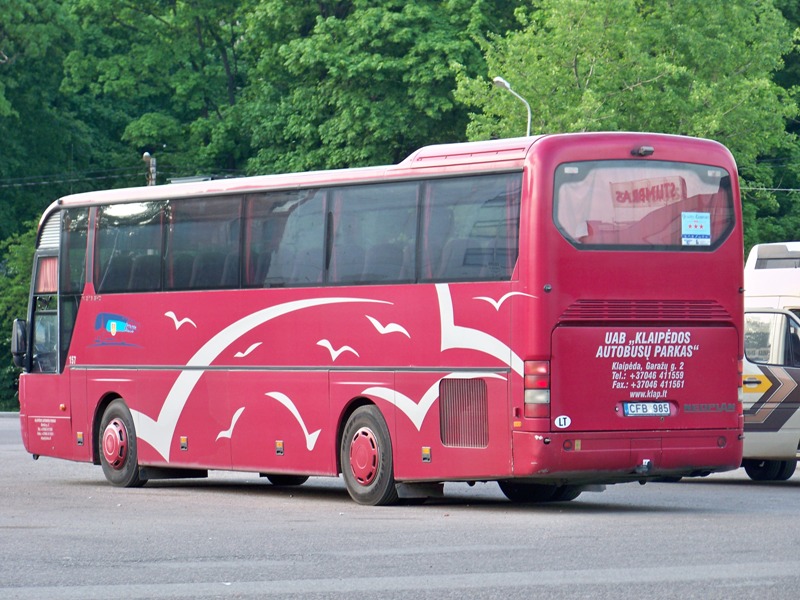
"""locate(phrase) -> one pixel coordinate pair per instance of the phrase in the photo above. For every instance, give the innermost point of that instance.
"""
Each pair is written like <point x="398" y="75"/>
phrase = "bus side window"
<point x="297" y="250"/>
<point x="202" y="245"/>
<point x="480" y="240"/>
<point x="128" y="247"/>
<point x="373" y="230"/>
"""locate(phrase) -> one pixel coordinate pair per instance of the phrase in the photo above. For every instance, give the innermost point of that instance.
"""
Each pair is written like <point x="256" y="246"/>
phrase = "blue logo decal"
<point x="109" y="327"/>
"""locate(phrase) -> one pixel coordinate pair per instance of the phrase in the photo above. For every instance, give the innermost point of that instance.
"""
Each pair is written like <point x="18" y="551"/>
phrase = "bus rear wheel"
<point x="366" y="458"/>
<point x="527" y="492"/>
<point x="117" y="443"/>
<point x="534" y="493"/>
<point x="567" y="493"/>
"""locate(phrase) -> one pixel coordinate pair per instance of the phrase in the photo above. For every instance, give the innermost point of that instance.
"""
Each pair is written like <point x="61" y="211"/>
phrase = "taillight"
<point x="537" y="388"/>
<point x="740" y="377"/>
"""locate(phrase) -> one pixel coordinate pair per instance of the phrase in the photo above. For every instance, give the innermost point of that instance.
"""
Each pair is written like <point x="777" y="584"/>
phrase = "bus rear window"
<point x="653" y="205"/>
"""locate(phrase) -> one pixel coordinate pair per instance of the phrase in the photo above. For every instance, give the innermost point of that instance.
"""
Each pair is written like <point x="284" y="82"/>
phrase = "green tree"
<point x="780" y="221"/>
<point x="353" y="83"/>
<point x="41" y="132"/>
<point x="167" y="74"/>
<point x="677" y="66"/>
<point x="15" y="281"/>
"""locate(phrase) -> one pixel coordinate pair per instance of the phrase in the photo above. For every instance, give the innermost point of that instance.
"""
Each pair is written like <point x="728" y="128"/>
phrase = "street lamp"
<point x="502" y="83"/>
<point x="151" y="167"/>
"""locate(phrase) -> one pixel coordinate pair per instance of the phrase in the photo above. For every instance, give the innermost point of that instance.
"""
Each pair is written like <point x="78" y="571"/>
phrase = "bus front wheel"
<point x="117" y="443"/>
<point x="366" y="458"/>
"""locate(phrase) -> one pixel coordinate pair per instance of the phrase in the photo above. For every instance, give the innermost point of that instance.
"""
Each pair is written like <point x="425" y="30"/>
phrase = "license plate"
<point x="646" y="409"/>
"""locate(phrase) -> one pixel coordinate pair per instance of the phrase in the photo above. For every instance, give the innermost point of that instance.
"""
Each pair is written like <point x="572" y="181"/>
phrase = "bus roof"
<point x="506" y="153"/>
<point x="510" y="151"/>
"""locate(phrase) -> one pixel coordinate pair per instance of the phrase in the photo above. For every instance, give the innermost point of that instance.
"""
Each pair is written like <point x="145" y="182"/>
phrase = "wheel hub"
<point x="115" y="444"/>
<point x="364" y="456"/>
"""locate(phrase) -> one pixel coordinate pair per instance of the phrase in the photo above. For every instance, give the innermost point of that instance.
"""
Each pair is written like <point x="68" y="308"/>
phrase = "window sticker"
<point x="695" y="229"/>
<point x="648" y="193"/>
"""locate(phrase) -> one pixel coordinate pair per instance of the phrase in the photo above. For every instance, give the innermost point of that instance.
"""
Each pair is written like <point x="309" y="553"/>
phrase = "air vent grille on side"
<point x="464" y="413"/>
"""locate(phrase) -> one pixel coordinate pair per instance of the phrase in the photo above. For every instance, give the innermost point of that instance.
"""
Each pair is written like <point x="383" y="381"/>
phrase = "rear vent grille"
<point x="464" y="413"/>
<point x="645" y="310"/>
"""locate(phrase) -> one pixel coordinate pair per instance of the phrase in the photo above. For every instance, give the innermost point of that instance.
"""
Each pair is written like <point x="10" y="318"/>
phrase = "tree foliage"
<point x="167" y="72"/>
<point x="15" y="274"/>
<point x="677" y="66"/>
<point x="356" y="83"/>
<point x="232" y="86"/>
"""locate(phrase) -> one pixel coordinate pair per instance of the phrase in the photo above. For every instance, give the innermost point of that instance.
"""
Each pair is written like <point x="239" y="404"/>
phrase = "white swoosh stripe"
<point x="455" y="336"/>
<point x="160" y="431"/>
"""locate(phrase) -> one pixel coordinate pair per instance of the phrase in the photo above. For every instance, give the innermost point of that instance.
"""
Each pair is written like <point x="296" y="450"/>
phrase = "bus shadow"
<point x="794" y="482"/>
<point x="333" y="492"/>
<point x="482" y="497"/>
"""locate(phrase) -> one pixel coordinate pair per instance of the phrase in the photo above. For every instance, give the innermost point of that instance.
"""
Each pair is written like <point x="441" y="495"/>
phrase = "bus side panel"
<point x="277" y="422"/>
<point x="81" y="421"/>
<point x="452" y="426"/>
<point x="180" y="415"/>
<point x="45" y="415"/>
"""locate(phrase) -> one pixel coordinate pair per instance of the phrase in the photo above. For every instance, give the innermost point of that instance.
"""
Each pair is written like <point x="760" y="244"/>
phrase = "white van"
<point x="771" y="373"/>
<point x="771" y="386"/>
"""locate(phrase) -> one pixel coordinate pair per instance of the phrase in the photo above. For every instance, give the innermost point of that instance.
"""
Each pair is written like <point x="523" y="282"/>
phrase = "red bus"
<point x="553" y="313"/>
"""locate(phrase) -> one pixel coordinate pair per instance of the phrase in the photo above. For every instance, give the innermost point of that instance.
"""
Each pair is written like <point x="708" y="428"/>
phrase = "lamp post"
<point x="151" y="167"/>
<point x="502" y="83"/>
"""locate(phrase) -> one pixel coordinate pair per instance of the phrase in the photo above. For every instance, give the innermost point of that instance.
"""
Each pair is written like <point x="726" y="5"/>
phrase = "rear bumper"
<point x="609" y="457"/>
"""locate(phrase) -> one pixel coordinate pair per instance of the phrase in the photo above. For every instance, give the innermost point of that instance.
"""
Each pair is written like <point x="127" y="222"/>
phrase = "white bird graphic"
<point x="311" y="438"/>
<point x="498" y="303"/>
<point x="335" y="353"/>
<point x="179" y="323"/>
<point x="229" y="431"/>
<point x="248" y="351"/>
<point x="388" y="328"/>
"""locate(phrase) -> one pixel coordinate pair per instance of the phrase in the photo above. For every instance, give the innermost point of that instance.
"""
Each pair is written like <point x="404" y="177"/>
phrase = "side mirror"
<point x="19" y="344"/>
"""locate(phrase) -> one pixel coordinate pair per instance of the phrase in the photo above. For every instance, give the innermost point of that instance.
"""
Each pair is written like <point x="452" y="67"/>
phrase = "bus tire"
<point x="286" y="480"/>
<point x="366" y="458"/>
<point x="786" y="470"/>
<point x="117" y="444"/>
<point x="761" y="470"/>
<point x="528" y="493"/>
<point x="567" y="493"/>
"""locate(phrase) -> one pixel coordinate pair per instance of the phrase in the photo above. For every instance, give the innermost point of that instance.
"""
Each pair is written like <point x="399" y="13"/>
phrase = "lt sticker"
<point x="562" y="422"/>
